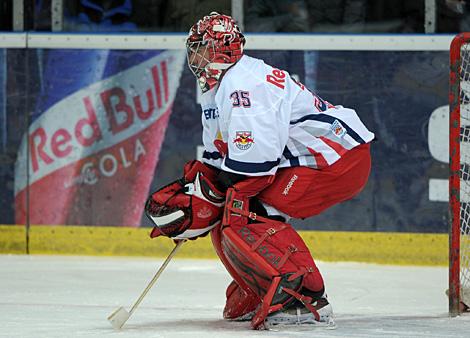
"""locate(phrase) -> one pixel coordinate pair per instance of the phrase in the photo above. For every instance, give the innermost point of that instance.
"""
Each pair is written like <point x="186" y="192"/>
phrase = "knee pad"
<point x="269" y="256"/>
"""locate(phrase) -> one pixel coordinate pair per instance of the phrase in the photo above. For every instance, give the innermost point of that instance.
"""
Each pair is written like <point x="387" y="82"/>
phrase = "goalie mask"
<point x="182" y="211"/>
<point x="214" y="44"/>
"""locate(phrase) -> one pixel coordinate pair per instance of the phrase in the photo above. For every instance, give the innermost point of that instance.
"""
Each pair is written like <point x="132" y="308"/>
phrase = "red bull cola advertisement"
<point x="95" y="136"/>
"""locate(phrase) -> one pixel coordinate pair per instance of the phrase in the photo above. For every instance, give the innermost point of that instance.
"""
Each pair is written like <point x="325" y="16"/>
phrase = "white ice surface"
<point x="57" y="296"/>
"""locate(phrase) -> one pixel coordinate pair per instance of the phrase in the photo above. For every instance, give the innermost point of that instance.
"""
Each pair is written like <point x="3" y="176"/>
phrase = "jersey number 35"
<point x="240" y="98"/>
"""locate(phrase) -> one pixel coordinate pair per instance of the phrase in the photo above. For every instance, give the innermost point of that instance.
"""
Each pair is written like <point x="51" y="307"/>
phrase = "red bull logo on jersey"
<point x="243" y="140"/>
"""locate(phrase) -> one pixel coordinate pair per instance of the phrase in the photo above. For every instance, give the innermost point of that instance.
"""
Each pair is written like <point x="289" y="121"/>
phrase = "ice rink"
<point x="60" y="296"/>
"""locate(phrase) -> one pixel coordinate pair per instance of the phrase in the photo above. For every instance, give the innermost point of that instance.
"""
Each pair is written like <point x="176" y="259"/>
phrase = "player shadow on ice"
<point x="400" y="325"/>
<point x="184" y="325"/>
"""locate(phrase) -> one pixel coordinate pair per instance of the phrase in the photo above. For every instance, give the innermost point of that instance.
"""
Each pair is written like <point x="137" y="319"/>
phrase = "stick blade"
<point x="118" y="318"/>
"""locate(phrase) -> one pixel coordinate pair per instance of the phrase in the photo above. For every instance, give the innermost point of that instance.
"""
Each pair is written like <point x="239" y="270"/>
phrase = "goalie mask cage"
<point x="459" y="175"/>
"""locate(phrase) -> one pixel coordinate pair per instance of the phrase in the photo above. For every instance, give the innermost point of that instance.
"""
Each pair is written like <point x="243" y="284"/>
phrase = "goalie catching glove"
<point x="189" y="207"/>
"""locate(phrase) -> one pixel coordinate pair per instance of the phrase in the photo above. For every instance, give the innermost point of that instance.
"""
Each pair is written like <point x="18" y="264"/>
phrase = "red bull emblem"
<point x="243" y="140"/>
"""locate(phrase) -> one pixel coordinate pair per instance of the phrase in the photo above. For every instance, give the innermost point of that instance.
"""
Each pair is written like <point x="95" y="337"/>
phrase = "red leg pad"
<point x="277" y="247"/>
<point x="240" y="299"/>
<point x="262" y="253"/>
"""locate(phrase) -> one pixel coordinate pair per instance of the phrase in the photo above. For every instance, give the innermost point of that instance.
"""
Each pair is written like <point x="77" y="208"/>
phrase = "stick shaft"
<point x="157" y="275"/>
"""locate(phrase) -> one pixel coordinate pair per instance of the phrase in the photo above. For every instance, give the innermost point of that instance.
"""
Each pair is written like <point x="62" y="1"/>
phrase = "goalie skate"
<point x="301" y="316"/>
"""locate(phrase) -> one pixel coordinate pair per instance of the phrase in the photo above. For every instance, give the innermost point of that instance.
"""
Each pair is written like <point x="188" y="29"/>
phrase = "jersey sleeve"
<point x="255" y="131"/>
<point x="210" y="129"/>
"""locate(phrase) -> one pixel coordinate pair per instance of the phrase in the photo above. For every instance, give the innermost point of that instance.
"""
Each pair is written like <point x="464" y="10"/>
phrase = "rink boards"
<point x="371" y="247"/>
<point x="407" y="193"/>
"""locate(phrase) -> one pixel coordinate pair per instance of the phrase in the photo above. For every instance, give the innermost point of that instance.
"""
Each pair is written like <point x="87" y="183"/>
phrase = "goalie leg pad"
<point x="273" y="261"/>
<point x="241" y="301"/>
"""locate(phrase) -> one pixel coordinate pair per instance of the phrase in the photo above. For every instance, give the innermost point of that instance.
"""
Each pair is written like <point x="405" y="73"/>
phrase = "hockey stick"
<point x="119" y="317"/>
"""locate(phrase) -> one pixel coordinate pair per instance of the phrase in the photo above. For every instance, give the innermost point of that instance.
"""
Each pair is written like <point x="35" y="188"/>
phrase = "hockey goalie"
<point x="274" y="150"/>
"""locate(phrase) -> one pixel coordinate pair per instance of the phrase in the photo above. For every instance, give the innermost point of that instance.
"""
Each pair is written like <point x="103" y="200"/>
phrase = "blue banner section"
<point x="3" y="108"/>
<point x="63" y="72"/>
<point x="396" y="94"/>
<point x="13" y="124"/>
<point x="4" y="158"/>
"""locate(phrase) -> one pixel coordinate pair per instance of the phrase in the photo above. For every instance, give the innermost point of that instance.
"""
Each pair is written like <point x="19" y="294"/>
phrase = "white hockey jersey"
<point x="269" y="121"/>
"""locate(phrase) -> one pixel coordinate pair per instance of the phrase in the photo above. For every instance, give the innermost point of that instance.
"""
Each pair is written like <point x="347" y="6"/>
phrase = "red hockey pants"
<point x="302" y="192"/>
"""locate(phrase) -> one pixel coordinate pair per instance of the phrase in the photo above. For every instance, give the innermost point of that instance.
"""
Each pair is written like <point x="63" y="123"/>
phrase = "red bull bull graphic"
<point x="243" y="140"/>
<point x="92" y="154"/>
